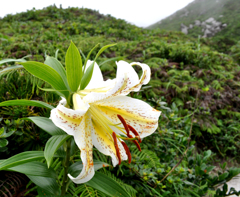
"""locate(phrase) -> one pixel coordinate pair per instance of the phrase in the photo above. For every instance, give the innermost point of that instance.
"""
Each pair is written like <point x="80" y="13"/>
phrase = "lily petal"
<point x="136" y="113"/>
<point x="104" y="143"/>
<point x="145" y="78"/>
<point x="97" y="78"/>
<point x="126" y="81"/>
<point x="67" y="119"/>
<point x="83" y="139"/>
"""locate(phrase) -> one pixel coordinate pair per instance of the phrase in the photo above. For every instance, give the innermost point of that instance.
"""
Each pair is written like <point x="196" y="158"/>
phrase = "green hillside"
<point x="195" y="87"/>
<point x="225" y="12"/>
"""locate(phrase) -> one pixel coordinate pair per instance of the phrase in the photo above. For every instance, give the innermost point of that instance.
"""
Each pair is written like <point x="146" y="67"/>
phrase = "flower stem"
<point x="65" y="166"/>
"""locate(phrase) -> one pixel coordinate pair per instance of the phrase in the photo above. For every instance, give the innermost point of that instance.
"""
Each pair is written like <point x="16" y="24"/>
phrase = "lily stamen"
<point x="116" y="147"/>
<point x="127" y="151"/>
<point x="135" y="142"/>
<point x="135" y="133"/>
<point x="124" y="123"/>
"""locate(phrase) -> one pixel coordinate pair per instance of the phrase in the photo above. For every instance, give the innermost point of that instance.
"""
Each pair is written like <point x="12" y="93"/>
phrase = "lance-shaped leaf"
<point x="56" y="65"/>
<point x="34" y="168"/>
<point x="11" y="68"/>
<point x="107" y="185"/>
<point x="111" y="59"/>
<point x="21" y="158"/>
<point x="59" y="92"/>
<point x="73" y="63"/>
<point x="26" y="103"/>
<point x="46" y="73"/>
<point x="14" y="60"/>
<point x="47" y="184"/>
<point x="47" y="125"/>
<point x="88" y="74"/>
<point x="53" y="145"/>
<point x="88" y="56"/>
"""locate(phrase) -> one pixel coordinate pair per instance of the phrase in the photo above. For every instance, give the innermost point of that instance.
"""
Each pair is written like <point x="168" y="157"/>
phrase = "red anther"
<point x="127" y="152"/>
<point x="137" y="144"/>
<point x="124" y="123"/>
<point x="135" y="133"/>
<point x="116" y="147"/>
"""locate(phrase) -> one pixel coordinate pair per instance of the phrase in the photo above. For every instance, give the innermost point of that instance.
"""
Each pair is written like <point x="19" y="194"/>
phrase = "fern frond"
<point x="149" y="156"/>
<point x="100" y="157"/>
<point x="127" y="187"/>
<point x="84" y="190"/>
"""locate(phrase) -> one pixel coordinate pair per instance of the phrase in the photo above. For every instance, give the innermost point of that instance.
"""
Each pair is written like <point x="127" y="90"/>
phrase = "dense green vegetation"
<point x="196" y="88"/>
<point x="224" y="11"/>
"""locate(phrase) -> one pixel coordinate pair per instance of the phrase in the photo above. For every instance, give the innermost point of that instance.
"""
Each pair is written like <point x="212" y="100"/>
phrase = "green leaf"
<point x="206" y="155"/>
<point x="46" y="73"/>
<point x="107" y="185"/>
<point x="21" y="158"/>
<point x="53" y="145"/>
<point x="3" y="143"/>
<point x="76" y="167"/>
<point x="34" y="168"/>
<point x="14" y="60"/>
<point x="48" y="184"/>
<point x="59" y="92"/>
<point x="210" y="168"/>
<point x="3" y="149"/>
<point x="7" y="134"/>
<point x="43" y="193"/>
<point x="111" y="59"/>
<point x="2" y="131"/>
<point x="189" y="183"/>
<point x="233" y="172"/>
<point x="73" y="63"/>
<point x="88" y="56"/>
<point x="46" y="124"/>
<point x="26" y="103"/>
<point x="11" y="68"/>
<point x="103" y="49"/>
<point x="223" y="176"/>
<point x="56" y="65"/>
<point x="88" y="74"/>
<point x="56" y="53"/>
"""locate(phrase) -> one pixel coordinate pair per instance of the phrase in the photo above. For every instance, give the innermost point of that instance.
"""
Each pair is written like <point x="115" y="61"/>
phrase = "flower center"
<point x="106" y="124"/>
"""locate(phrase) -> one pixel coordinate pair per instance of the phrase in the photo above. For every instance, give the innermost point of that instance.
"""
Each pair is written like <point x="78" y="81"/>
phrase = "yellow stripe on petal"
<point x="103" y="141"/>
<point x="67" y="119"/>
<point x="136" y="113"/>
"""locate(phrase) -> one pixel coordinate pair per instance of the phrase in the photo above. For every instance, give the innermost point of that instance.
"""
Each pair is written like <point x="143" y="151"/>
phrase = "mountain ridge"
<point x="223" y="13"/>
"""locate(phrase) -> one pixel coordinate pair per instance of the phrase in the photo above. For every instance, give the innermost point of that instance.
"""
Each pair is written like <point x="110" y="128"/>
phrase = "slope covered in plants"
<point x="187" y="78"/>
<point x="210" y="18"/>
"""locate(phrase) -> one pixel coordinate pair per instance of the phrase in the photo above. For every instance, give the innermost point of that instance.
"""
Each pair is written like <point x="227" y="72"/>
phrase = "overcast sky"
<point x="139" y="12"/>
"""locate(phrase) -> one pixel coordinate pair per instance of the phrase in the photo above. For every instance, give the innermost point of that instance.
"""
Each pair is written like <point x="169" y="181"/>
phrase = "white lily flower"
<point x="104" y="116"/>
